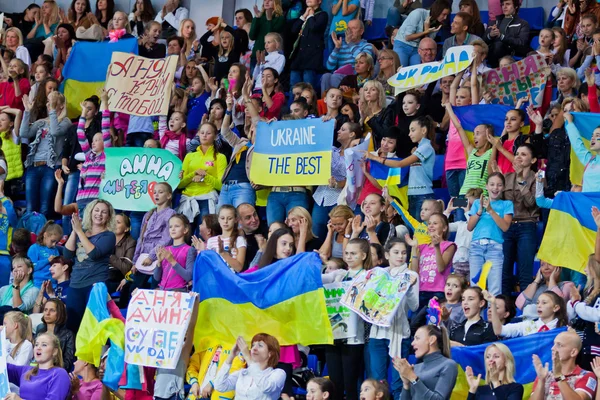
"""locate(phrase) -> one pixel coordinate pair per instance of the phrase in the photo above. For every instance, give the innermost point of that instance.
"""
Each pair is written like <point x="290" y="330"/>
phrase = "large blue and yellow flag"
<point x="585" y="123"/>
<point x="492" y="114"/>
<point x="522" y="349"/>
<point x="97" y="327"/>
<point x="396" y="180"/>
<point x="284" y="299"/>
<point x="85" y="71"/>
<point x="571" y="230"/>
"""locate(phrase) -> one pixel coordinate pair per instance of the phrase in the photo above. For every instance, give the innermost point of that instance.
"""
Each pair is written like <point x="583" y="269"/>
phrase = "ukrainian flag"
<point x="522" y="349"/>
<point x="396" y="180"/>
<point x="492" y="114"/>
<point x="97" y="327"/>
<point x="571" y="230"/>
<point x="85" y="71"/>
<point x="585" y="123"/>
<point x="284" y="299"/>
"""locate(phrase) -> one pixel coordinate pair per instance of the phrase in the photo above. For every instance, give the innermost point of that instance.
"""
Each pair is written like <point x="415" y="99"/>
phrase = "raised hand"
<point x="409" y="241"/>
<point x="535" y="116"/>
<point x="257" y="11"/>
<point x="472" y="380"/>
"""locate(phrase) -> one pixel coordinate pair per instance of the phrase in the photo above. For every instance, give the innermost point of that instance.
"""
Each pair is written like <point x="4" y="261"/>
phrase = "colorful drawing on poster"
<point x="526" y="77"/>
<point x="375" y="295"/>
<point x="343" y="320"/>
<point x="156" y="325"/>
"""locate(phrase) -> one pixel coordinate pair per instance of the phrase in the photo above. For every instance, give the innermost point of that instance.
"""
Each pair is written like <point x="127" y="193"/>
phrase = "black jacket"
<point x="556" y="149"/>
<point x="479" y="333"/>
<point x="308" y="54"/>
<point x="67" y="344"/>
<point x="514" y="33"/>
<point x="380" y="123"/>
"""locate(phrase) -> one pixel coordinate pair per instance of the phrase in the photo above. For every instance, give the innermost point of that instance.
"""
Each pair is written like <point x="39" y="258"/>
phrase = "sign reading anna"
<point x="292" y="153"/>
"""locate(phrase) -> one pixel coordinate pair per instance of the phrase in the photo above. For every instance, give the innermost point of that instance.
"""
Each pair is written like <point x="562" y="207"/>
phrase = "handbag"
<point x="145" y="269"/>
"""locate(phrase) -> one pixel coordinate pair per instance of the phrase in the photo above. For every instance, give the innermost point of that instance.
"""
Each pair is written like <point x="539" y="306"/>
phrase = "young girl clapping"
<point x="176" y="261"/>
<point x="230" y="244"/>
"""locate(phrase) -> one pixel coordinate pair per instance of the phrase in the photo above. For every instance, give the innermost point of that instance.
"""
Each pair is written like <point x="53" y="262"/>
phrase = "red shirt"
<point x="273" y="112"/>
<point x="580" y="380"/>
<point x="7" y="93"/>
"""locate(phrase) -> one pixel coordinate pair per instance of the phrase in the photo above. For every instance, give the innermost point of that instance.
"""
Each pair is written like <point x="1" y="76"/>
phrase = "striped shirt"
<point x="346" y="55"/>
<point x="94" y="165"/>
<point x="477" y="172"/>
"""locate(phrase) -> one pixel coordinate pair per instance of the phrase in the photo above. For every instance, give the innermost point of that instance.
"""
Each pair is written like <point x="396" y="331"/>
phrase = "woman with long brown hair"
<point x="471" y="7"/>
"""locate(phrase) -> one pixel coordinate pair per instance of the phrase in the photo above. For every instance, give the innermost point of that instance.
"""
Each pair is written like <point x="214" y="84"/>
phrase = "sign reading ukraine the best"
<point x="292" y="153"/>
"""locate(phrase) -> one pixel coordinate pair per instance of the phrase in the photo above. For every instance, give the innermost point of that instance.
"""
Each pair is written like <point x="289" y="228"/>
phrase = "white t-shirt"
<point x="213" y="244"/>
<point x="23" y="356"/>
<point x="5" y="168"/>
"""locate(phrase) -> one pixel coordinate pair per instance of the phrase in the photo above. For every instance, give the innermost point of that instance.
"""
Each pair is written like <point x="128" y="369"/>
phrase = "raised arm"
<point x="463" y="135"/>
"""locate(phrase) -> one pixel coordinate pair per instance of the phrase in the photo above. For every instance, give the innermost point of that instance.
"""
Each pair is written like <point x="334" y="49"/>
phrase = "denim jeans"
<point x="381" y="360"/>
<point x="280" y="203"/>
<point x="483" y="250"/>
<point x="40" y="188"/>
<point x="71" y="187"/>
<point x="394" y="18"/>
<point x="137" y="139"/>
<point x="454" y="180"/>
<point x="204" y="210"/>
<point x="408" y="54"/>
<point x="307" y="75"/>
<point x="237" y="194"/>
<point x="320" y="217"/>
<point x="136" y="218"/>
<point x="415" y="202"/>
<point x="520" y="243"/>
<point x="76" y="303"/>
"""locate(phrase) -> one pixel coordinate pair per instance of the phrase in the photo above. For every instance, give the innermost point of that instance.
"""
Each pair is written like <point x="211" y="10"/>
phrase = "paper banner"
<point x="519" y="79"/>
<point x="292" y="153"/>
<point x="343" y="320"/>
<point x="131" y="176"/>
<point x="457" y="59"/>
<point x="375" y="295"/>
<point x="354" y="173"/>
<point x="140" y="86"/>
<point x="155" y="328"/>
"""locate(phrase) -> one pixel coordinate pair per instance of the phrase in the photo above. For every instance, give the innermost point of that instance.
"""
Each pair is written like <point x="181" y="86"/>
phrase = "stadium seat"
<point x="535" y="42"/>
<point x="535" y="17"/>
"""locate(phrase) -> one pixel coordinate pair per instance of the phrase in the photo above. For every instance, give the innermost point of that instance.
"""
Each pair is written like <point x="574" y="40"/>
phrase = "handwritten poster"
<point x="292" y="153"/>
<point x="375" y="295"/>
<point x="354" y="173"/>
<point x="4" y="386"/>
<point x="519" y="79"/>
<point x="155" y="328"/>
<point x="343" y="320"/>
<point x="131" y="176"/>
<point x="457" y="59"/>
<point x="138" y="85"/>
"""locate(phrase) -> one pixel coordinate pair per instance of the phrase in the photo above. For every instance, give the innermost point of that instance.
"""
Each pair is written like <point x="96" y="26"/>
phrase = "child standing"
<point x="18" y="346"/>
<point x="95" y="158"/>
<point x="591" y="180"/>
<point x="511" y="139"/>
<point x="386" y="343"/>
<point x="196" y="104"/>
<point x="489" y="217"/>
<point x="473" y="330"/>
<point x="421" y="162"/>
<point x="273" y="59"/>
<point x="43" y="251"/>
<point x="419" y="229"/>
<point x="176" y="261"/>
<point x="230" y="244"/>
<point x="16" y="85"/>
<point x="433" y="261"/>
<point x="174" y="139"/>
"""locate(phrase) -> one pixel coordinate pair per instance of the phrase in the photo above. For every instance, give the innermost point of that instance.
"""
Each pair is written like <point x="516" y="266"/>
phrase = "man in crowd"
<point x="427" y="50"/>
<point x="253" y="229"/>
<point x="460" y="32"/>
<point x="345" y="53"/>
<point x="509" y="36"/>
<point x="565" y="379"/>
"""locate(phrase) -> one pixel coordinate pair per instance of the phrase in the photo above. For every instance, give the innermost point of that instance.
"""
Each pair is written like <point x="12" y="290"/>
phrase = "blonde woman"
<point x="13" y="40"/>
<point x="376" y="117"/>
<point x="336" y="227"/>
<point x="46" y="22"/>
<point x="46" y="137"/>
<point x="567" y="83"/>
<point x="300" y="222"/>
<point x="389" y="62"/>
<point x="499" y="376"/>
<point x="364" y="66"/>
<point x="269" y="19"/>
<point x="47" y="379"/>
<point x="191" y="45"/>
<point x="90" y="245"/>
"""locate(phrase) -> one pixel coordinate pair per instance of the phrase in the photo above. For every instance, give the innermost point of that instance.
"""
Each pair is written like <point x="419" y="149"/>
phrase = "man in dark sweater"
<point x="252" y="227"/>
<point x="509" y="35"/>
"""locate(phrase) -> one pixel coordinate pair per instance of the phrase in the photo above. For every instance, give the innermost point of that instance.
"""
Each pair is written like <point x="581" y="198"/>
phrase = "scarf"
<point x="8" y="295"/>
<point x="170" y="135"/>
<point x="116" y="34"/>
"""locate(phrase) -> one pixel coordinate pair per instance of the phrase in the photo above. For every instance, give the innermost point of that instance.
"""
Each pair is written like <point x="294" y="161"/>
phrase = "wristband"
<point x="211" y="384"/>
<point x="193" y="380"/>
<point x="227" y="112"/>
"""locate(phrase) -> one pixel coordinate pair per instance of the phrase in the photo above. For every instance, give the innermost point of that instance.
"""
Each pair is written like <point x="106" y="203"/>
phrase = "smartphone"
<point x="460" y="202"/>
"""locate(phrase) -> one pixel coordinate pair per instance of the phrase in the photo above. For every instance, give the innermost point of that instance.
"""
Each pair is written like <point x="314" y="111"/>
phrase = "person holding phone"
<point x="509" y="35"/>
